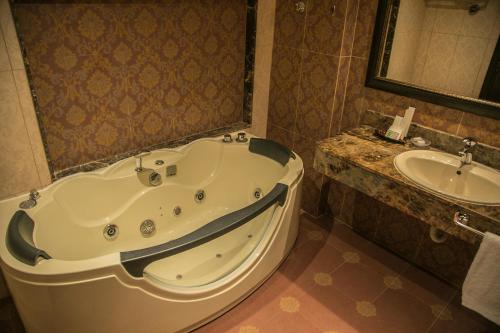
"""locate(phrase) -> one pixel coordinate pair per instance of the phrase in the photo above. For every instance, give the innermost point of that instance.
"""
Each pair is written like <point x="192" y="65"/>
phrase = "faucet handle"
<point x="469" y="142"/>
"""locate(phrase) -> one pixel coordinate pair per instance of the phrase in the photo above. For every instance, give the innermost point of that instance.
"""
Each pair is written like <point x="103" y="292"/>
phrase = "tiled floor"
<point x="336" y="281"/>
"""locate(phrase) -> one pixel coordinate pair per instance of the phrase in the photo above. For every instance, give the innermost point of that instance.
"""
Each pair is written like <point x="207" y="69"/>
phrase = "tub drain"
<point x="110" y="231"/>
<point x="218" y="255"/>
<point x="177" y="211"/>
<point x="147" y="228"/>
<point x="179" y="277"/>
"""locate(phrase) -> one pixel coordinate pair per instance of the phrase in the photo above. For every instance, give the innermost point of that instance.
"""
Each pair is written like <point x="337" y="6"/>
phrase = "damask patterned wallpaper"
<point x="112" y="78"/>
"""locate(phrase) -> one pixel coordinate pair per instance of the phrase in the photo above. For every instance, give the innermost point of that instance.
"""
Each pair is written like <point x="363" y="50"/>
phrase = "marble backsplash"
<point x="447" y="142"/>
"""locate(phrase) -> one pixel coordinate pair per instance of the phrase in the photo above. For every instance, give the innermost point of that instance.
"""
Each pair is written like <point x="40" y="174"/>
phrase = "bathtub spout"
<point x="149" y="177"/>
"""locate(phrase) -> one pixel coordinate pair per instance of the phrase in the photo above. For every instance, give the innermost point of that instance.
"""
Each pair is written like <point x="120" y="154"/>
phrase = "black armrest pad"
<point x="271" y="149"/>
<point x="17" y="245"/>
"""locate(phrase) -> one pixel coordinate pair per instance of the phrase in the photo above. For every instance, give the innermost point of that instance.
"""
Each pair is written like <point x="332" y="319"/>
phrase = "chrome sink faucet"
<point x="466" y="153"/>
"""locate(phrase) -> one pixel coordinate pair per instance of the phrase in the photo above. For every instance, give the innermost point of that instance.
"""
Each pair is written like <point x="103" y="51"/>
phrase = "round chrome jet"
<point x="148" y="228"/>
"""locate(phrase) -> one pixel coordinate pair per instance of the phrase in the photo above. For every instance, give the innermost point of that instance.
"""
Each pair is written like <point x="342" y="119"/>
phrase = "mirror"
<point x="445" y="52"/>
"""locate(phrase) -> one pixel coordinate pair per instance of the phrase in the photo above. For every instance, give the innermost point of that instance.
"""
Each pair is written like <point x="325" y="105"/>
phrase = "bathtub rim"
<point x="53" y="270"/>
<point x="177" y="293"/>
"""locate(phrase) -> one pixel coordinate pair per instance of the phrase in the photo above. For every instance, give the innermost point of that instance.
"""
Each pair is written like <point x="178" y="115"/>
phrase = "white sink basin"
<point x="437" y="172"/>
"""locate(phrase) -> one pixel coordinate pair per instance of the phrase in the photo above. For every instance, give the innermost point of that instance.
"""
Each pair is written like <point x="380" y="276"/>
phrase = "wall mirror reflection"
<point x="446" y="48"/>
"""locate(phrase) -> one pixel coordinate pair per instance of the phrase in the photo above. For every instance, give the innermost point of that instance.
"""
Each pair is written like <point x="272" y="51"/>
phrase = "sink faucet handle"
<point x="138" y="160"/>
<point x="469" y="142"/>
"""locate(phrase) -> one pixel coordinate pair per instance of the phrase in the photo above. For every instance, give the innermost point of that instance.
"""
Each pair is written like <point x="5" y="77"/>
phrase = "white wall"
<point x="456" y="49"/>
<point x="444" y="49"/>
<point x="406" y="38"/>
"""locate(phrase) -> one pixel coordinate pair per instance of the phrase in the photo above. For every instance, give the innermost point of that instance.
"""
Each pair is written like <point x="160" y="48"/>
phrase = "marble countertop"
<point x="365" y="162"/>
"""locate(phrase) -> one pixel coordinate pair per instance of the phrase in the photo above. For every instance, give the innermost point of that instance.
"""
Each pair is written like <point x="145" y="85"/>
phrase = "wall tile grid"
<point x="112" y="78"/>
<point x="444" y="49"/>
<point x="455" y="49"/>
<point x="309" y="76"/>
<point x="23" y="165"/>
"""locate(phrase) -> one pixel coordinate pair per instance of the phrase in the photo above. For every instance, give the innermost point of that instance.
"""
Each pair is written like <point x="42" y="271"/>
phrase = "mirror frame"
<point x="471" y="105"/>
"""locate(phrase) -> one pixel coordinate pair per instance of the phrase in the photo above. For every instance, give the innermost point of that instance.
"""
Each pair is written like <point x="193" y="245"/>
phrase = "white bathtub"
<point x="88" y="283"/>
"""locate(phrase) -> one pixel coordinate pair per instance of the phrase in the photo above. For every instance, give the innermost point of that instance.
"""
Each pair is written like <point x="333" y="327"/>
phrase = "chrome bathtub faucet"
<point x="466" y="153"/>
<point x="148" y="177"/>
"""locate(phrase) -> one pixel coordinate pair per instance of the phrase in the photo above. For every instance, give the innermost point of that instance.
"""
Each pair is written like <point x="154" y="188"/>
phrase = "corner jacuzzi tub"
<point x="107" y="252"/>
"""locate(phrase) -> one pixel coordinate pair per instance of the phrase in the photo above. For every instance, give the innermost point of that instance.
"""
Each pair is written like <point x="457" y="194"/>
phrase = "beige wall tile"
<point x="482" y="23"/>
<point x="263" y="61"/>
<point x="403" y="54"/>
<point x="18" y="172"/>
<point x="429" y="19"/>
<point x="411" y="15"/>
<point x="9" y="32"/>
<point x="32" y="127"/>
<point x="420" y="56"/>
<point x="449" y="21"/>
<point x="465" y="65"/>
<point x="439" y="56"/>
<point x="4" y="58"/>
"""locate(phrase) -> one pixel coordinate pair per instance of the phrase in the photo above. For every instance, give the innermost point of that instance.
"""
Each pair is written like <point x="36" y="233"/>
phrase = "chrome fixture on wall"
<point x="300" y="7"/>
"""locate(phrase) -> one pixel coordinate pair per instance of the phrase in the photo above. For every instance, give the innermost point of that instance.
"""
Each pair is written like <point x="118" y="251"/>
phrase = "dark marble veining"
<point x="364" y="162"/>
<point x="485" y="154"/>
<point x="94" y="165"/>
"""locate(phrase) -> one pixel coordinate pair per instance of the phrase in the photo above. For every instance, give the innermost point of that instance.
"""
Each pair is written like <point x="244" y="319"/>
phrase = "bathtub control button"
<point x="227" y="138"/>
<point x="159" y="162"/>
<point x="110" y="231"/>
<point x="241" y="137"/>
<point x="171" y="170"/>
<point x="199" y="196"/>
<point x="257" y="193"/>
<point x="147" y="228"/>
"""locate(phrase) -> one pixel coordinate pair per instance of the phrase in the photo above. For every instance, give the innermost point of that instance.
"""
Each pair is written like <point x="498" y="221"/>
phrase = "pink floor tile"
<point x="426" y="288"/>
<point x="458" y="319"/>
<point x="358" y="282"/>
<point x="372" y="255"/>
<point x="310" y="260"/>
<point x="317" y="290"/>
<point x="397" y="310"/>
<point x="328" y="309"/>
